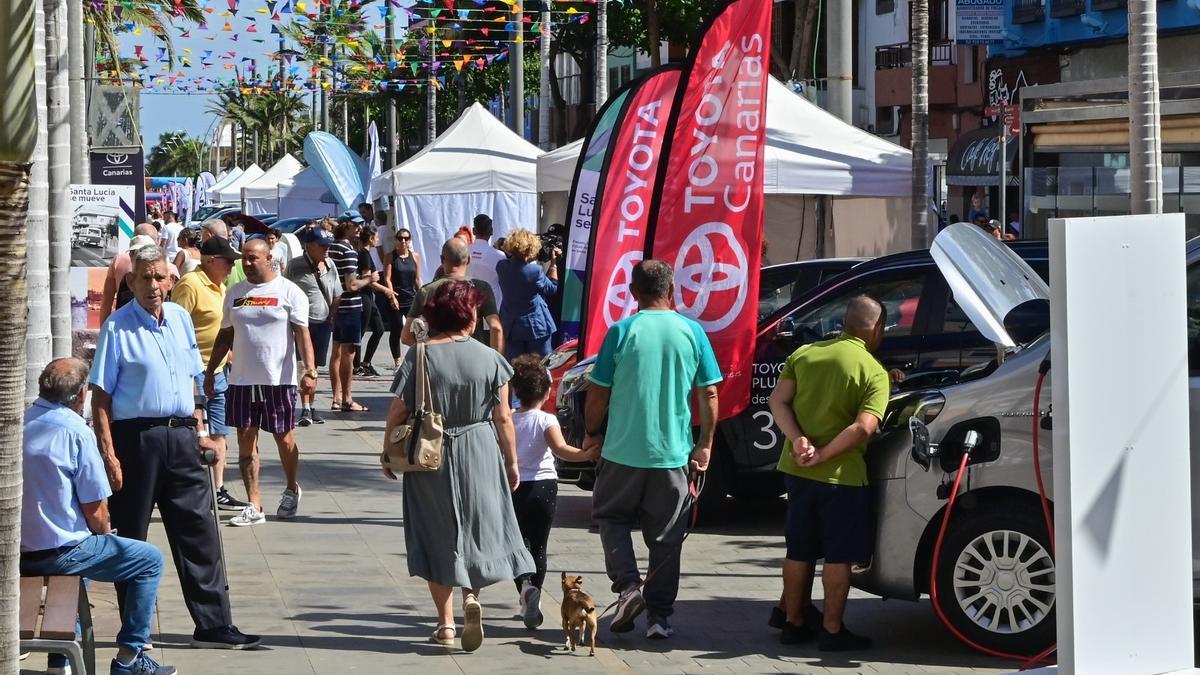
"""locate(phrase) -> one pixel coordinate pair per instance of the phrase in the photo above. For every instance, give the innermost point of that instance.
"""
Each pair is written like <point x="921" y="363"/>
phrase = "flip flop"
<point x="445" y="642"/>
<point x="350" y="406"/>
<point x="472" y="637"/>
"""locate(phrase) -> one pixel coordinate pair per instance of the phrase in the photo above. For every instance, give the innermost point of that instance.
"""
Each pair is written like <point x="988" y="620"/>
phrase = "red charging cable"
<point x="937" y="547"/>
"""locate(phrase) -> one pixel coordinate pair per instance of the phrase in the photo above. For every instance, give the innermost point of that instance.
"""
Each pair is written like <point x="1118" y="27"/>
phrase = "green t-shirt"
<point x="236" y="275"/>
<point x="652" y="361"/>
<point x="835" y="381"/>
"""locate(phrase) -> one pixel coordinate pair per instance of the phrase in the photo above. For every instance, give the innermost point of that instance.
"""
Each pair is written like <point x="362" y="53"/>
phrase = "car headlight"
<point x="571" y="383"/>
<point x="924" y="406"/>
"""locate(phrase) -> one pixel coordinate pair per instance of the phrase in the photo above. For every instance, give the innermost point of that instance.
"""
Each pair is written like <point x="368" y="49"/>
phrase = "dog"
<point x="578" y="612"/>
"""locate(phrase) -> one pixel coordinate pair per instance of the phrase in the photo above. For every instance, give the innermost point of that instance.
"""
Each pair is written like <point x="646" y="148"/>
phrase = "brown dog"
<point x="578" y="612"/>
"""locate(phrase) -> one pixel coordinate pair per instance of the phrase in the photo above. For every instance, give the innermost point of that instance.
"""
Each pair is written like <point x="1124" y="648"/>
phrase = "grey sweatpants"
<point x="658" y="499"/>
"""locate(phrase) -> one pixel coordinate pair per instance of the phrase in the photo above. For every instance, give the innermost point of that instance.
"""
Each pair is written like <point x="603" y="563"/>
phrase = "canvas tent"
<point x="231" y="193"/>
<point x="476" y="166"/>
<point x="305" y="195"/>
<point x="224" y="180"/>
<point x="262" y="194"/>
<point x="809" y="153"/>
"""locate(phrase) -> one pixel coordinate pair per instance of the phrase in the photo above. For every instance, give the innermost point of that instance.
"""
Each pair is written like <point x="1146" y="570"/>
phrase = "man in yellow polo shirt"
<point x="202" y="294"/>
<point x="828" y="402"/>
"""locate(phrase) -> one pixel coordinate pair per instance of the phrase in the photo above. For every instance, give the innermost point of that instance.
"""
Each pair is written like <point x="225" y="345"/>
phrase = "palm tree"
<point x="920" y="123"/>
<point x="281" y="117"/>
<point x="18" y="135"/>
<point x="177" y="154"/>
<point x="37" y="338"/>
<point x="60" y="159"/>
<point x="111" y="19"/>
<point x="1145" y="131"/>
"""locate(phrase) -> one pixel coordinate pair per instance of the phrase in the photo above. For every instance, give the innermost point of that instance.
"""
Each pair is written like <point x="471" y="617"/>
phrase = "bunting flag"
<point x="706" y="221"/>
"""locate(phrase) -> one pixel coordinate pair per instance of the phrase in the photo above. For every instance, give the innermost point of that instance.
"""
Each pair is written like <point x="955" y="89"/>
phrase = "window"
<point x="1028" y="11"/>
<point x="885" y="121"/>
<point x="885" y="6"/>
<point x="1193" y="318"/>
<point x="899" y="295"/>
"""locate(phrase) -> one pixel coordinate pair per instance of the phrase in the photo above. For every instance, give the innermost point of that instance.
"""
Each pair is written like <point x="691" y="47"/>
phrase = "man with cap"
<point x="114" y="295"/>
<point x="202" y="294"/>
<point x="146" y="419"/>
<point x="316" y="275"/>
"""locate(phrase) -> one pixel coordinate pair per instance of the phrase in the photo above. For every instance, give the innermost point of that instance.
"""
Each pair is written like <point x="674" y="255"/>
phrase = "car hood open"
<point x="987" y="278"/>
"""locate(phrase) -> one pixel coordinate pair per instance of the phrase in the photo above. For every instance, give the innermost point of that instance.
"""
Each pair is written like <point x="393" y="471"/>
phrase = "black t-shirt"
<point x="487" y="308"/>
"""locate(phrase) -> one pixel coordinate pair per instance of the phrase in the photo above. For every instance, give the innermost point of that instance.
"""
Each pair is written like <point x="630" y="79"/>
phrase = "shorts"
<point x="320" y="332"/>
<point x="827" y="521"/>
<point x="347" y="327"/>
<point x="215" y="406"/>
<point x="271" y="408"/>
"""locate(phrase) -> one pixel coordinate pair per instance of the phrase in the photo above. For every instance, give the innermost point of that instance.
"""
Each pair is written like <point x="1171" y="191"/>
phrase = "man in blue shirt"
<point x="65" y="528"/>
<point x="648" y="368"/>
<point x="146" y="417"/>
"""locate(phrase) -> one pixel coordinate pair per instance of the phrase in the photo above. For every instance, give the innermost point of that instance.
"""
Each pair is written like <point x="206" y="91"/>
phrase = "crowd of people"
<point x="220" y="337"/>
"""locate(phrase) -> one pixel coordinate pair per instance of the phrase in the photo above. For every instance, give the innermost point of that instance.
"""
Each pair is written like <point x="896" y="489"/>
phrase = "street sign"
<point x="1011" y="113"/>
<point x="979" y="22"/>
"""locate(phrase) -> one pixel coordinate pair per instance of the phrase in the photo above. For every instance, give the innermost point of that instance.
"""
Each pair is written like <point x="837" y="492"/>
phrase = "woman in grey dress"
<point x="459" y="526"/>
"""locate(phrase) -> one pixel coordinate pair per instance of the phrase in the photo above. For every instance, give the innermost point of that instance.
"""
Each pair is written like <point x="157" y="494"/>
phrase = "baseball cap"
<point x="141" y="241"/>
<point x="220" y="247"/>
<point x="350" y="216"/>
<point x="318" y="236"/>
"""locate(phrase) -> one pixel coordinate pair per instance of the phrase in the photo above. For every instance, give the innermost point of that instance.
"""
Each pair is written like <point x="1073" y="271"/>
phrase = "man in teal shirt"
<point x="828" y="402"/>
<point x="648" y="368"/>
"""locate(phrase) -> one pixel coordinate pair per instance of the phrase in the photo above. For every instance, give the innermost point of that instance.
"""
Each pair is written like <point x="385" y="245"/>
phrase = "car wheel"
<point x="996" y="580"/>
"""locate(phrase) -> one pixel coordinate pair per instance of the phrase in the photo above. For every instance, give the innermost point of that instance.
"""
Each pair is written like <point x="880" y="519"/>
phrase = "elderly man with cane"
<point x="146" y="417"/>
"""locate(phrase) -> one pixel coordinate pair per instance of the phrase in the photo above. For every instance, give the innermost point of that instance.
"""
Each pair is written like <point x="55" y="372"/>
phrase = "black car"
<point x="927" y="337"/>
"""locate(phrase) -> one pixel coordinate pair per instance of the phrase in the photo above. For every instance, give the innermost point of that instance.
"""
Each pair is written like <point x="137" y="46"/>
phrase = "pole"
<point x="389" y="101"/>
<point x="920" y="124"/>
<point x="516" y="72"/>
<point x="324" y="32"/>
<point x="78" y="94"/>
<point x="840" y="40"/>
<point x="283" y="92"/>
<point x="1145" y="130"/>
<point x="601" y="53"/>
<point x="1003" y="169"/>
<point x="544" y="83"/>
<point x="431" y="87"/>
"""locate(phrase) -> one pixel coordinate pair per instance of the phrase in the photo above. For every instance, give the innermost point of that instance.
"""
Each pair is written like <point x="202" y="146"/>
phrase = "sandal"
<point x="336" y="406"/>
<point x="354" y="406"/>
<point x="472" y="637"/>
<point x="438" y="640"/>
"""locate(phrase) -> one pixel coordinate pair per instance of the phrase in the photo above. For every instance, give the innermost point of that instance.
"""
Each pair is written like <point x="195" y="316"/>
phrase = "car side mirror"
<point x="786" y="327"/>
<point x="923" y="451"/>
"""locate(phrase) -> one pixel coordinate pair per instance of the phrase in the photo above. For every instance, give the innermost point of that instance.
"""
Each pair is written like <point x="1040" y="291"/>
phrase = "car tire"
<point x="995" y="579"/>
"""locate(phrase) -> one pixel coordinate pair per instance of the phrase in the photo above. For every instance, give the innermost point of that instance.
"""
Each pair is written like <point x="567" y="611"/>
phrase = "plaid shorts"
<point x="267" y="407"/>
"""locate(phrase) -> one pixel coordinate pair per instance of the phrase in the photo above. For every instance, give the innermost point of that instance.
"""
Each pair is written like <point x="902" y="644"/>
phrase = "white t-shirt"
<point x="279" y="256"/>
<point x="484" y="258"/>
<point x="534" y="459"/>
<point x="170" y="238"/>
<point x="262" y="316"/>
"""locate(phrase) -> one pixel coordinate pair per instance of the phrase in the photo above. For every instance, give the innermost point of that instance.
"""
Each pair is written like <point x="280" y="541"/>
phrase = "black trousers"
<point x="161" y="467"/>
<point x="535" y="503"/>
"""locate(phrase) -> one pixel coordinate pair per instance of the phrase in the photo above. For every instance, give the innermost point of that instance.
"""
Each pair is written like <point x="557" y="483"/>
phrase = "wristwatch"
<point x="311" y="373"/>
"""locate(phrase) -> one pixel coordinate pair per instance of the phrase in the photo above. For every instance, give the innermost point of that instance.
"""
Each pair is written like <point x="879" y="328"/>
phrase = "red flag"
<point x="706" y="221"/>
<point x="622" y="208"/>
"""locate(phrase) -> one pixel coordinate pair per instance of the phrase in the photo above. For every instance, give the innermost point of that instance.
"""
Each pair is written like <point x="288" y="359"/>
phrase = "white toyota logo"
<point x="116" y="157"/>
<point x="618" y="301"/>
<point x="707" y="275"/>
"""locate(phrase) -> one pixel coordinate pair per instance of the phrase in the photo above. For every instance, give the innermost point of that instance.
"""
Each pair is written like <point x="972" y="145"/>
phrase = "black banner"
<point x="125" y="166"/>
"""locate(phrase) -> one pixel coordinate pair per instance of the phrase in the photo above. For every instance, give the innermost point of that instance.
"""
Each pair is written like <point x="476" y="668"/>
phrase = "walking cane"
<point x="210" y="458"/>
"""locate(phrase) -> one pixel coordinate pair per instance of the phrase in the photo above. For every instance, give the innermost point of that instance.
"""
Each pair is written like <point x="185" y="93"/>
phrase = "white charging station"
<point x="1122" y="486"/>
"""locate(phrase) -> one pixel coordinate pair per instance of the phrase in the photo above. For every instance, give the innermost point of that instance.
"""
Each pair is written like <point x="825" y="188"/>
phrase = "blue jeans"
<point x="134" y="564"/>
<point x="215" y="406"/>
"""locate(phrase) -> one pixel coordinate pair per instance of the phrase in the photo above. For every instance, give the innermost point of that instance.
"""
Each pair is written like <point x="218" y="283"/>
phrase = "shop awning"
<point x="975" y="159"/>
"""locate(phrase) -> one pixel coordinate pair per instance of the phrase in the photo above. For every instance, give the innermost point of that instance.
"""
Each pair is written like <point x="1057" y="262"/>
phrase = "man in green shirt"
<point x="828" y="403"/>
<point x="456" y="257"/>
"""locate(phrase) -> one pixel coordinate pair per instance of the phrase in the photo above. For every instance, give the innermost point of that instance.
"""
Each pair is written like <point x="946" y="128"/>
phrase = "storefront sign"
<point x="123" y="167"/>
<point x="979" y="22"/>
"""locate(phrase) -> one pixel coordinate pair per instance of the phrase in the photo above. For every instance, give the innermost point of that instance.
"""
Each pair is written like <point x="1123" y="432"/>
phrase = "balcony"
<point x="1029" y="11"/>
<point x="1063" y="8"/>
<point x="941" y="53"/>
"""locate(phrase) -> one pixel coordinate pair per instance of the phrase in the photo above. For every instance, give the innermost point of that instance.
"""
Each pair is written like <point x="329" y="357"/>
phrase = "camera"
<point x="551" y="239"/>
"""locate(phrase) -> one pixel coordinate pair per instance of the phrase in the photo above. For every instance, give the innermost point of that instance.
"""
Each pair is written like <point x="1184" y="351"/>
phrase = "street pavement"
<point x="330" y="592"/>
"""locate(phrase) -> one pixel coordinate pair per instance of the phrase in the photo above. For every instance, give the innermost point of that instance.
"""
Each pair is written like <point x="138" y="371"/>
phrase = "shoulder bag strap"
<point x="427" y="383"/>
<point x="312" y="265"/>
<point x="422" y="377"/>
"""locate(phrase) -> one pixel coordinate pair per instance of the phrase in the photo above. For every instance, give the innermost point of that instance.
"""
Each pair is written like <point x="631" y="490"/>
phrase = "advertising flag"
<point x="706" y="221"/>
<point x="622" y="210"/>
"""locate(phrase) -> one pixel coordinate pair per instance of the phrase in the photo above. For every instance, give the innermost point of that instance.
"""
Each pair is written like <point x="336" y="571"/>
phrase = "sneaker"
<point x="227" y="502"/>
<point x="249" y="516"/>
<point x="370" y="371"/>
<point x="360" y="371"/>
<point x="317" y="419"/>
<point x="659" y="628"/>
<point x="629" y="607"/>
<point x="791" y="634"/>
<point x="288" y="504"/>
<point x="225" y="637"/>
<point x="531" y="606"/>
<point x="142" y="665"/>
<point x="306" y="416"/>
<point x="778" y="618"/>
<point x="841" y="641"/>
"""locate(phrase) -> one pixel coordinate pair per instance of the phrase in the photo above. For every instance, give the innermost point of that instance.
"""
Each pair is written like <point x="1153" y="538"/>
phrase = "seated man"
<point x="64" y="516"/>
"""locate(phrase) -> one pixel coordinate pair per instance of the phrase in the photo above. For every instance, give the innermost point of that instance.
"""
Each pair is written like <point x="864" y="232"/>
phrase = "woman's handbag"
<point x="417" y="444"/>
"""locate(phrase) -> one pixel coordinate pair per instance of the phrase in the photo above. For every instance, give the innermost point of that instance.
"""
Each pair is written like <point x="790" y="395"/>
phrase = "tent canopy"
<point x="808" y="152"/>
<point x="223" y="181"/>
<point x="476" y="154"/>
<point x="231" y="193"/>
<point x="261" y="195"/>
<point x="305" y="195"/>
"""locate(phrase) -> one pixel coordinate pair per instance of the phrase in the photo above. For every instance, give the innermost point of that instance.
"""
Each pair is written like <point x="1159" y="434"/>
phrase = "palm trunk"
<point x="1145" y="131"/>
<point x="601" y="62"/>
<point x="77" y="94"/>
<point x="59" y="114"/>
<point x="798" y="34"/>
<point x="807" y="58"/>
<point x="37" y="341"/>
<point x="920" y="123"/>
<point x="652" y="38"/>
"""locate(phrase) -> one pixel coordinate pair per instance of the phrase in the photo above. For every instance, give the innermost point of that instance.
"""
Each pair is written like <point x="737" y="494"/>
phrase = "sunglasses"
<point x="404" y="238"/>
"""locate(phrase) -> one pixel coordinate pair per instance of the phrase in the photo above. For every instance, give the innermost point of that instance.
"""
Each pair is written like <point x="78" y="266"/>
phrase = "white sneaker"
<point x="59" y="670"/>
<point x="249" y="516"/>
<point x="531" y="606"/>
<point x="629" y="607"/>
<point x="288" y="504"/>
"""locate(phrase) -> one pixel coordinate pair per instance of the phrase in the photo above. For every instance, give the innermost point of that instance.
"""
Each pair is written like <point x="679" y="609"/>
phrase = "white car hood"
<point x="988" y="278"/>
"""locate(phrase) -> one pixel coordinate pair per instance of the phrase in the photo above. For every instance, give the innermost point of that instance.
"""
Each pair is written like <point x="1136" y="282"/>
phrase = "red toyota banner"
<point x="707" y="219"/>
<point x="628" y="183"/>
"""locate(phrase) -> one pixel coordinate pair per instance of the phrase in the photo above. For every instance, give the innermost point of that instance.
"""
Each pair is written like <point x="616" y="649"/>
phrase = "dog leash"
<point x="695" y="488"/>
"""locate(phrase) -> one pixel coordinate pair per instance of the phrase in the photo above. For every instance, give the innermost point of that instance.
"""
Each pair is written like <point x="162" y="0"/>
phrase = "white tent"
<point x="808" y="153"/>
<point x="222" y="182"/>
<point x="305" y="195"/>
<point x="476" y="166"/>
<point x="231" y="193"/>
<point x="262" y="194"/>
